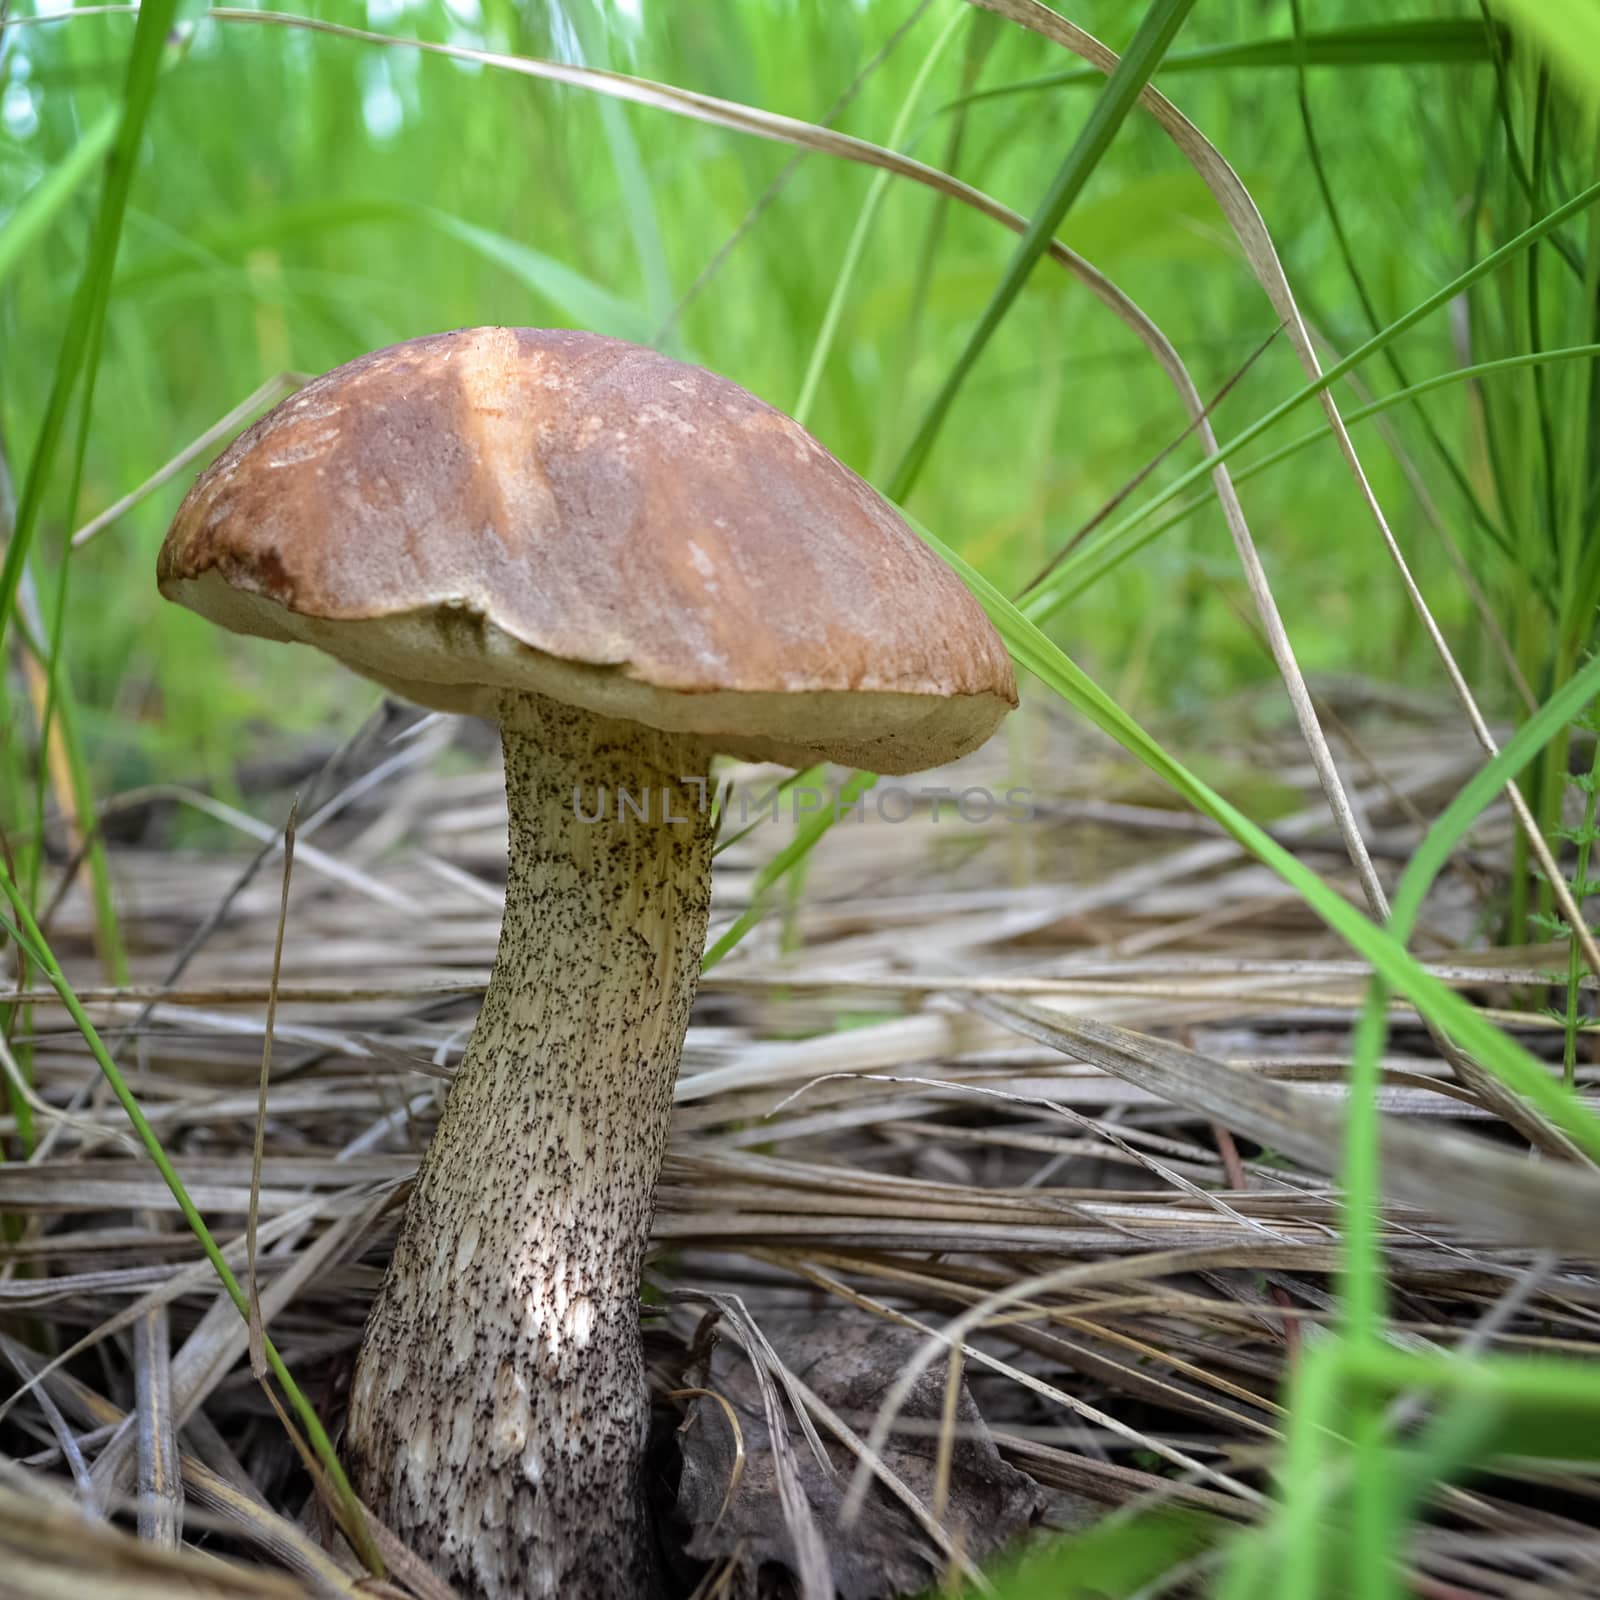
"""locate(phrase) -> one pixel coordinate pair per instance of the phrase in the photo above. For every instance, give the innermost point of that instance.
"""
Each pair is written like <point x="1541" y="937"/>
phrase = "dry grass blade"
<point x="1516" y="1200"/>
<point x="811" y="1554"/>
<point x="1236" y="203"/>
<point x="759" y="206"/>
<point x="1000" y="1160"/>
<point x="219" y="1339"/>
<point x="1416" y="480"/>
<point x="269" y="393"/>
<point x="926" y="1518"/>
<point x="317" y="860"/>
<point x="723" y="1404"/>
<point x="242" y="1513"/>
<point x="947" y="1435"/>
<point x="767" y="125"/>
<point x="51" y="1551"/>
<point x="159" y="1474"/>
<point x="1126" y="490"/>
<point x="954" y="1339"/>
<point x="1252" y="232"/>
<point x="258" y="1349"/>
<point x="1158" y="1168"/>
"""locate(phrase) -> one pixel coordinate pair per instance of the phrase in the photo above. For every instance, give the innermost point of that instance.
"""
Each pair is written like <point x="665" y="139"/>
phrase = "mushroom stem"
<point x="498" y="1413"/>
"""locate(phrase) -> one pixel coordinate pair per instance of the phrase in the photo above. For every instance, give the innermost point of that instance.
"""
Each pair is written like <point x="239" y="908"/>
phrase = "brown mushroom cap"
<point x="515" y="509"/>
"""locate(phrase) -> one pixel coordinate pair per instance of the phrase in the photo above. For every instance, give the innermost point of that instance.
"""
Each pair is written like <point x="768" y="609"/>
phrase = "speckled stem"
<point x="498" y="1412"/>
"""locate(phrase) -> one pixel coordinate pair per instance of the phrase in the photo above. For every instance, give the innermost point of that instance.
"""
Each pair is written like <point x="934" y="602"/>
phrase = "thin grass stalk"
<point x="1587" y="834"/>
<point x="638" y="203"/>
<point x="1291" y="1553"/>
<point x="79" y="358"/>
<point x="1251" y="231"/>
<point x="844" y="279"/>
<point x="59" y="696"/>
<point x="1558" y="1392"/>
<point x="798" y="848"/>
<point x="1376" y="1510"/>
<point x="1373" y="408"/>
<point x="38" y="209"/>
<point x="980" y="42"/>
<point x="1446" y="456"/>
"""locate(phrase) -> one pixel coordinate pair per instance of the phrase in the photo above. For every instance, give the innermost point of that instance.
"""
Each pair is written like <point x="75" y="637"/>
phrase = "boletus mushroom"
<point x="630" y="564"/>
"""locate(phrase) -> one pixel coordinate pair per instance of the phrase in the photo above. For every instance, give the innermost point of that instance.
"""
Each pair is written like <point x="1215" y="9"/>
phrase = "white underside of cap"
<point x="455" y="660"/>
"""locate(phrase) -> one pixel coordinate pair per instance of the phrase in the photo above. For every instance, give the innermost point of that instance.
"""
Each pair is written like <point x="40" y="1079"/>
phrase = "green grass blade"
<point x="150" y="43"/>
<point x="1156" y="32"/>
<point x="38" y="208"/>
<point x="1358" y="280"/>
<point x="1450" y="827"/>
<point x="851" y="265"/>
<point x="1567" y="33"/>
<point x="1118" y="1556"/>
<point x="1555" y="1396"/>
<point x="61" y="710"/>
<point x="1379" y="1513"/>
<point x="1421" y="43"/>
<point x="638" y="199"/>
<point x="579" y="298"/>
<point x="1313" y="1420"/>
<point x="59" y="702"/>
<point x="1580" y="878"/>
<point x="806" y="837"/>
<point x="586" y="303"/>
<point x="1138" y="537"/>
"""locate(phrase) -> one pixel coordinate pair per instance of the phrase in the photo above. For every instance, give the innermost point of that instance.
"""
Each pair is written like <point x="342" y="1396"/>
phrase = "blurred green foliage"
<point x="301" y="198"/>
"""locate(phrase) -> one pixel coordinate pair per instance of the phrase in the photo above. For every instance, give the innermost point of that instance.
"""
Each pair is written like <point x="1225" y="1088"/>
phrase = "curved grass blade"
<point x="587" y="303"/>
<point x="1245" y="219"/>
<point x="1358" y="282"/>
<point x="637" y="200"/>
<point x="1567" y="33"/>
<point x="1378" y="1513"/>
<point x="1373" y="408"/>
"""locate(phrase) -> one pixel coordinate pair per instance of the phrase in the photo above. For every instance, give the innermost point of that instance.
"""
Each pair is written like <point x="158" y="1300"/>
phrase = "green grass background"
<point x="299" y="199"/>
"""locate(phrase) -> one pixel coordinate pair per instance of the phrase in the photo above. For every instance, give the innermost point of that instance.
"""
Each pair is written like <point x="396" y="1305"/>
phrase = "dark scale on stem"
<point x="498" y="1413"/>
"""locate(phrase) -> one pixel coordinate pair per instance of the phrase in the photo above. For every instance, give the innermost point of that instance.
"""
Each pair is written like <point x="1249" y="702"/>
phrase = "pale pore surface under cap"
<point x="453" y="660"/>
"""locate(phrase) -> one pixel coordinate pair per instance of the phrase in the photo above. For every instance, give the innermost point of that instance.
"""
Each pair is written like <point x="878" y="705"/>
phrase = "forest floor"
<point x="1011" y="1084"/>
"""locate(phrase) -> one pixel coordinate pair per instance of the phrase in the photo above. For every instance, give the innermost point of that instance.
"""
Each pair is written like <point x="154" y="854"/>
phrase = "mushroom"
<point x="630" y="564"/>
